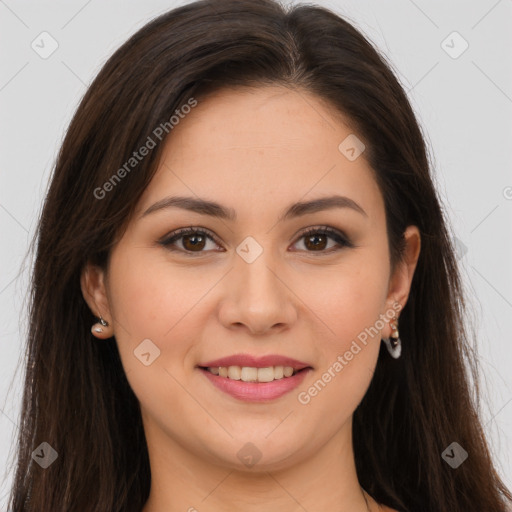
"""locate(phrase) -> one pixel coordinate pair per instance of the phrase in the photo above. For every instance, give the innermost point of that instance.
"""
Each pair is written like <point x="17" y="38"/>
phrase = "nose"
<point x="257" y="298"/>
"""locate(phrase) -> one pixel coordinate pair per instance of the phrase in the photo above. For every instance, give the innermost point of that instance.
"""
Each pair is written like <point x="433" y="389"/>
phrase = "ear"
<point x="400" y="282"/>
<point x="92" y="282"/>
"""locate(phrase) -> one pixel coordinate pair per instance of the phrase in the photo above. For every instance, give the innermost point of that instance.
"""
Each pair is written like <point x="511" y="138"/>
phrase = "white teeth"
<point x="250" y="374"/>
<point x="266" y="374"/>
<point x="288" y="371"/>
<point x="234" y="372"/>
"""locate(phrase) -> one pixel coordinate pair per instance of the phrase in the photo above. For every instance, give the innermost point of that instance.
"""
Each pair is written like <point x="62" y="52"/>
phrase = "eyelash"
<point x="334" y="234"/>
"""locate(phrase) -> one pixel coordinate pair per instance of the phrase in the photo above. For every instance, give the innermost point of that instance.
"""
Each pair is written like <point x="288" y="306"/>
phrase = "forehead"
<point x="258" y="147"/>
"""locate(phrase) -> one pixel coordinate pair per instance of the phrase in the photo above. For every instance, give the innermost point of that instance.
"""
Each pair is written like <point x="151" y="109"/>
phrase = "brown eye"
<point x="317" y="240"/>
<point x="194" y="241"/>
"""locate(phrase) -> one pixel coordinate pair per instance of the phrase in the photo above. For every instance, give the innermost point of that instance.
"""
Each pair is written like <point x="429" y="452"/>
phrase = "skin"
<point x="256" y="151"/>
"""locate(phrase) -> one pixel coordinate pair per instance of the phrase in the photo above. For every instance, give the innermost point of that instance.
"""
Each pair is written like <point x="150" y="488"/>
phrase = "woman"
<point x="245" y="296"/>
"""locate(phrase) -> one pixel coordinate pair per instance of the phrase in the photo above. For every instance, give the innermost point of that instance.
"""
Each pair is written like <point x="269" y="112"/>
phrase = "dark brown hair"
<point x="76" y="395"/>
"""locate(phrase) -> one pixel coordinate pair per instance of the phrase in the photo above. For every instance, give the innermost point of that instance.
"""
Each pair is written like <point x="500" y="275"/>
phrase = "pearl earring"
<point x="98" y="327"/>
<point x="393" y="343"/>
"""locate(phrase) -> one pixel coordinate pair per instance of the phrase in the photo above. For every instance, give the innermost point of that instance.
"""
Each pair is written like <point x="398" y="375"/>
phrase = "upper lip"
<point x="256" y="362"/>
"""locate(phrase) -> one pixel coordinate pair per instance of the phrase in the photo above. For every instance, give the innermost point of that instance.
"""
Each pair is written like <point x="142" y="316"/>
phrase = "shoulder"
<point x="387" y="509"/>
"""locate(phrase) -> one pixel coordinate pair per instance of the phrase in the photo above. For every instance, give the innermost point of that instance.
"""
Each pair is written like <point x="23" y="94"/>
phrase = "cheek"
<point x="150" y="301"/>
<point x="349" y="303"/>
<point x="143" y="304"/>
<point x="350" y="298"/>
<point x="153" y="300"/>
<point x="351" y="310"/>
<point x="150" y="296"/>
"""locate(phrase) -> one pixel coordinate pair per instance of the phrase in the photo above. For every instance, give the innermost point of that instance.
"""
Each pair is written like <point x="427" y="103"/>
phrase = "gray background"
<point x="464" y="105"/>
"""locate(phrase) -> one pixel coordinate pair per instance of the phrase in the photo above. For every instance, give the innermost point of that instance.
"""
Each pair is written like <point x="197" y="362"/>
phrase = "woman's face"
<point x="259" y="286"/>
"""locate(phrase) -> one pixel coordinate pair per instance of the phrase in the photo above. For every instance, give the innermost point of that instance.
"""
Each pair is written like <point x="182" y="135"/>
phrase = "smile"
<point x="275" y="381"/>
<point x="252" y="374"/>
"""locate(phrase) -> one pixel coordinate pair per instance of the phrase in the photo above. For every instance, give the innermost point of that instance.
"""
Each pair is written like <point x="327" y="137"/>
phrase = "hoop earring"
<point x="393" y="343"/>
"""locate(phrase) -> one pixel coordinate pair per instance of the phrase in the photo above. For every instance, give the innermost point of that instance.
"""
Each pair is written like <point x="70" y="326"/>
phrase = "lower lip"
<point x="256" y="391"/>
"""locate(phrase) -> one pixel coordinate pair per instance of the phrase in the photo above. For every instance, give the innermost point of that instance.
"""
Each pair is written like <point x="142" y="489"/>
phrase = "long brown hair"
<point x="76" y="395"/>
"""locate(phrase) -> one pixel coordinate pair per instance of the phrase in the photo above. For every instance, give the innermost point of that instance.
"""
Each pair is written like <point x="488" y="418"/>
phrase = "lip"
<point x="256" y="391"/>
<point x="256" y="362"/>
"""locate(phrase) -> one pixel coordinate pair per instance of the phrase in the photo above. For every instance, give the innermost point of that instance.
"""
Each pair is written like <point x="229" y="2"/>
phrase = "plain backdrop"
<point x="460" y="86"/>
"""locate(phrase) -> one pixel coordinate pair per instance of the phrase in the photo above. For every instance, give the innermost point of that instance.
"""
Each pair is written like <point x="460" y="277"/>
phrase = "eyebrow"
<point x="213" y="209"/>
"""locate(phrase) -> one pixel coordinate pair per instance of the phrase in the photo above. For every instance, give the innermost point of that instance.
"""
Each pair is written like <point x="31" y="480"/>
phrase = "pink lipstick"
<point x="255" y="379"/>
